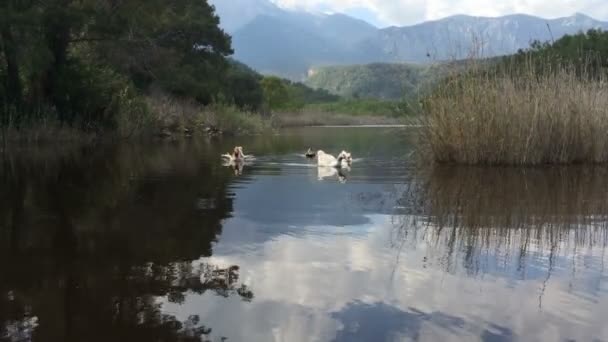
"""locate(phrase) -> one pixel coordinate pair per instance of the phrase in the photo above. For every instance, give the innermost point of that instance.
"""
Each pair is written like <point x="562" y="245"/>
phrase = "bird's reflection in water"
<point x="237" y="166"/>
<point x="325" y="172"/>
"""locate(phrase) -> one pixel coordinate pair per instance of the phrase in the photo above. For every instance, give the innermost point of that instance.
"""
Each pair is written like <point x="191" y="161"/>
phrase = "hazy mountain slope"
<point x="235" y="14"/>
<point x="288" y="44"/>
<point x="384" y="81"/>
<point x="463" y="36"/>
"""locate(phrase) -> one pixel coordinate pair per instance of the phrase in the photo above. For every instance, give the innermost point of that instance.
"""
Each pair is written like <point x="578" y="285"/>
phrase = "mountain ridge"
<point x="288" y="43"/>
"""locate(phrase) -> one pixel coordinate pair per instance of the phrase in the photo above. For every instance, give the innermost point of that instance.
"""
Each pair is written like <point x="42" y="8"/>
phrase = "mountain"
<point x="464" y="36"/>
<point x="234" y="14"/>
<point x="376" y="80"/>
<point x="288" y="43"/>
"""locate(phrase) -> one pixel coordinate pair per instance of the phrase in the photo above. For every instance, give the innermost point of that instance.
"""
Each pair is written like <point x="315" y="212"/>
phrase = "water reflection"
<point x="462" y="254"/>
<point x="90" y="238"/>
<point x="164" y="243"/>
<point x="328" y="172"/>
<point x="506" y="212"/>
<point x="236" y="166"/>
<point x="518" y="223"/>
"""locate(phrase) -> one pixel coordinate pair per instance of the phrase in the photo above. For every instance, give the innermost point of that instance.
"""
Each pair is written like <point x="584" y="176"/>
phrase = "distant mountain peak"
<point x="274" y="40"/>
<point x="582" y="16"/>
<point x="235" y="14"/>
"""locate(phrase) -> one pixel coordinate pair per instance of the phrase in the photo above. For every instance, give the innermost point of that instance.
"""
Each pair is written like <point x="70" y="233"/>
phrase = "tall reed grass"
<point x="523" y="114"/>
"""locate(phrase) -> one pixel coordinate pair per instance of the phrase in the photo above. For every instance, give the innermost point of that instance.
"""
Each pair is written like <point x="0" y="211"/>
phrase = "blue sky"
<point x="407" y="12"/>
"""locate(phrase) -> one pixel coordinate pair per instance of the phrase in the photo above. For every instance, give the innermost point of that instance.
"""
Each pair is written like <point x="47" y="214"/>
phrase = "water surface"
<point x="161" y="242"/>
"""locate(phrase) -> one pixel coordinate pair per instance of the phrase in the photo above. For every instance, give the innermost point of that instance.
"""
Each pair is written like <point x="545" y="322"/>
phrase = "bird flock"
<point x="328" y="164"/>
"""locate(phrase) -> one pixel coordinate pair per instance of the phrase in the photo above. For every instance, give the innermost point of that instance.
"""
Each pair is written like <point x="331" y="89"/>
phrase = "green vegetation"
<point x="381" y="81"/>
<point x="349" y="112"/>
<point x="587" y="52"/>
<point x="284" y="95"/>
<point x="316" y="118"/>
<point x="86" y="63"/>
<point x="103" y="67"/>
<point x="371" y="107"/>
<point x="545" y="105"/>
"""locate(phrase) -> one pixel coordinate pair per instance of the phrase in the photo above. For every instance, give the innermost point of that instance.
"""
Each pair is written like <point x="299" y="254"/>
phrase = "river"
<point x="161" y="242"/>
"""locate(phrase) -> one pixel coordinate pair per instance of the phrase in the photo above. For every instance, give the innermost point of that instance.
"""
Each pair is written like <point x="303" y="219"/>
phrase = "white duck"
<point x="324" y="159"/>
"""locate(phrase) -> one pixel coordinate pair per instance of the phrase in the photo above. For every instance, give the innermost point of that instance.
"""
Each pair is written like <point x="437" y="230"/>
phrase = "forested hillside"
<point x="92" y="64"/>
<point x="382" y="81"/>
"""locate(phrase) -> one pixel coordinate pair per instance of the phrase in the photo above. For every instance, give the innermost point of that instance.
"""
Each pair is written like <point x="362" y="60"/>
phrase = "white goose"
<point x="324" y="159"/>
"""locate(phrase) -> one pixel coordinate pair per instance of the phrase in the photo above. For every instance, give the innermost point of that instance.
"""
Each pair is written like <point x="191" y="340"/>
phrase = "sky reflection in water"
<point x="151" y="243"/>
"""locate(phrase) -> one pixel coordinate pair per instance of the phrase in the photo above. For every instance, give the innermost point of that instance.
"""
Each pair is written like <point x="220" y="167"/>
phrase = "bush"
<point x="96" y="98"/>
<point x="231" y="120"/>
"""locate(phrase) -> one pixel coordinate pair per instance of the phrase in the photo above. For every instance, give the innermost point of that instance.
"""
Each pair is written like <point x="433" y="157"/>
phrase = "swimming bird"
<point x="346" y="156"/>
<point x="310" y="153"/>
<point x="236" y="155"/>
<point x="324" y="159"/>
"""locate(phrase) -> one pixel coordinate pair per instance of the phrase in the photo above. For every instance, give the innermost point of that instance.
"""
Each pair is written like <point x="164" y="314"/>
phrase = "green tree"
<point x="79" y="57"/>
<point x="275" y="92"/>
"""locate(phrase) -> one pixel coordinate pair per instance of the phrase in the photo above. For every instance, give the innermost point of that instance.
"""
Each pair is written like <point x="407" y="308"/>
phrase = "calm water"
<point x="160" y="242"/>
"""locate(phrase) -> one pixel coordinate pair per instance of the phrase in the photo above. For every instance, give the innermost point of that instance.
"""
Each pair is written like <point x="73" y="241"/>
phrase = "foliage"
<point x="275" y="92"/>
<point x="587" y="52"/>
<point x="242" y="87"/>
<point x="89" y="60"/>
<point x="373" y="107"/>
<point x="281" y="94"/>
<point x="233" y="120"/>
<point x="381" y="81"/>
<point x="311" y="117"/>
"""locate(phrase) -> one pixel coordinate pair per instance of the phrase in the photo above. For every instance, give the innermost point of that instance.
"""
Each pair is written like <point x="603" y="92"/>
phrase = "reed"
<point x="524" y="114"/>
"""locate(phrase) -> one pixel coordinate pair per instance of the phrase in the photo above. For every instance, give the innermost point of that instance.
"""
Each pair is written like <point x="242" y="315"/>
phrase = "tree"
<point x="78" y="56"/>
<point x="275" y="92"/>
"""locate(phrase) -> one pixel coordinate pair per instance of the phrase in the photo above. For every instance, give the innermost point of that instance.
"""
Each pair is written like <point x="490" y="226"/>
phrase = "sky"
<point x="407" y="12"/>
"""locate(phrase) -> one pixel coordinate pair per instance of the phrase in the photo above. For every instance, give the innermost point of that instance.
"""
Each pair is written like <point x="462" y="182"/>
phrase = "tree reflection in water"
<point x="506" y="220"/>
<point x="91" y="239"/>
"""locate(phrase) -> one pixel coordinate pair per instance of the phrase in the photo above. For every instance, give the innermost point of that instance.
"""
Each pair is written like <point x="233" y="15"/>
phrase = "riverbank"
<point x="180" y="120"/>
<point x="312" y="118"/>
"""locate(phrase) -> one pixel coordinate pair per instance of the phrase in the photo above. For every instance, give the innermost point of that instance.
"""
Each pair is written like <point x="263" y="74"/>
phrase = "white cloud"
<point x="407" y="12"/>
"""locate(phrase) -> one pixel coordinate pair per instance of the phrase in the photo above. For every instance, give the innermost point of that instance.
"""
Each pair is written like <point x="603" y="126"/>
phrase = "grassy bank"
<point x="310" y="118"/>
<point x="357" y="107"/>
<point x="344" y="112"/>
<point x="518" y="116"/>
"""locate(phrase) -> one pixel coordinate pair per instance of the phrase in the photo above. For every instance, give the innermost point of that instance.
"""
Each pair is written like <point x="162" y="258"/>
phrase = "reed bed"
<point x="523" y="115"/>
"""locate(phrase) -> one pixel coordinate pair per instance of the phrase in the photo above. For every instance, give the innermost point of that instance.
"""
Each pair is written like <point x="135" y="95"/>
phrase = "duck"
<point x="324" y="159"/>
<point x="237" y="155"/>
<point x="346" y="156"/>
<point x="310" y="153"/>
